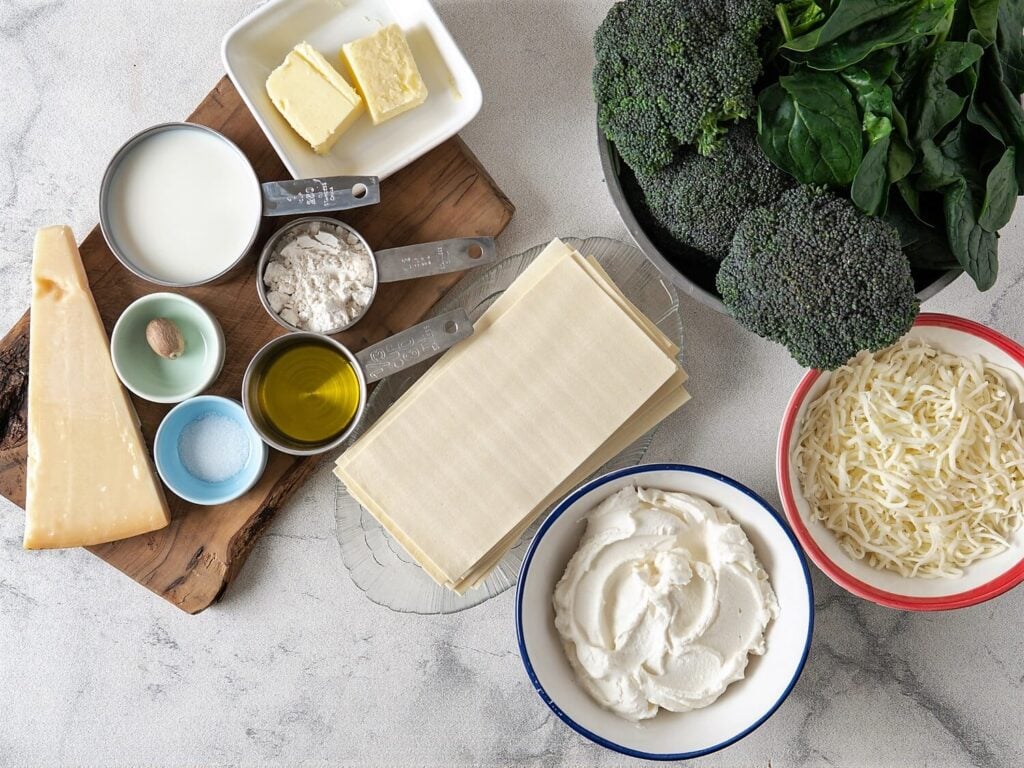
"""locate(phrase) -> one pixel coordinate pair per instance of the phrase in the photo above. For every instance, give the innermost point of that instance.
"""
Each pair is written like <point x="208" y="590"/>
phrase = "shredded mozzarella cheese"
<point x="914" y="459"/>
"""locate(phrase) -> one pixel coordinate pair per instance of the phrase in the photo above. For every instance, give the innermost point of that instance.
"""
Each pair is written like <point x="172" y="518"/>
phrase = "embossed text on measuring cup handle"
<point x="438" y="258"/>
<point x="429" y="338"/>
<point x="327" y="193"/>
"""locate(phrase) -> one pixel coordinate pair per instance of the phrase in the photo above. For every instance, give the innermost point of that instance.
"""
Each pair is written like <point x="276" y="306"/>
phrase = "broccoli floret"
<point x="701" y="200"/>
<point x="814" y="273"/>
<point x="671" y="73"/>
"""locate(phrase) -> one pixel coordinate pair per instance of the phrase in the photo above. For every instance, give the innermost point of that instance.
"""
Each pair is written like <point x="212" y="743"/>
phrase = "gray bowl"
<point x="670" y="257"/>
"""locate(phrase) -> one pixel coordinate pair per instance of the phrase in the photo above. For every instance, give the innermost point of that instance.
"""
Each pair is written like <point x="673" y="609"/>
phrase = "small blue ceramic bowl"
<point x="174" y="473"/>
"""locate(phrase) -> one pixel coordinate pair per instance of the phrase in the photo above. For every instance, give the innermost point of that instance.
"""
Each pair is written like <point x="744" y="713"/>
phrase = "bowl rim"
<point x="214" y="337"/>
<point x="987" y="591"/>
<point x="260" y="465"/>
<point x="571" y="499"/>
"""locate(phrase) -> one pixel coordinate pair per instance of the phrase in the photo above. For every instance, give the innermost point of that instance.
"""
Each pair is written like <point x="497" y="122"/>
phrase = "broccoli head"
<point x="701" y="200"/>
<point x="814" y="273"/>
<point x="671" y="73"/>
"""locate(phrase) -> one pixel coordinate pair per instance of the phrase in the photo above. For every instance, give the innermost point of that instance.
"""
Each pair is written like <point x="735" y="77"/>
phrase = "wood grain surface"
<point x="446" y="193"/>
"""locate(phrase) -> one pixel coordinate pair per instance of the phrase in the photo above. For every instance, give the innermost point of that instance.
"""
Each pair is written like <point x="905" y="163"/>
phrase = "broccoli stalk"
<point x="672" y="73"/>
<point x="701" y="200"/>
<point x="814" y="273"/>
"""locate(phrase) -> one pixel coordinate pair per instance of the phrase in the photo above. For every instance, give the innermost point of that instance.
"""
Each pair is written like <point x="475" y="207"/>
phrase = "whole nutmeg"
<point x="165" y="338"/>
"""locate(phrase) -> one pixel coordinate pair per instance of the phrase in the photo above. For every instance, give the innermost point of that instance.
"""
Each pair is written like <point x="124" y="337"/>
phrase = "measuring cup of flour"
<point x="305" y="393"/>
<point x="319" y="274"/>
<point x="180" y="204"/>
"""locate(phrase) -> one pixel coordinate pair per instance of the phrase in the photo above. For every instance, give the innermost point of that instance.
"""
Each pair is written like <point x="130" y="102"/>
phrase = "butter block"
<point x="90" y="479"/>
<point x="313" y="97"/>
<point x="385" y="73"/>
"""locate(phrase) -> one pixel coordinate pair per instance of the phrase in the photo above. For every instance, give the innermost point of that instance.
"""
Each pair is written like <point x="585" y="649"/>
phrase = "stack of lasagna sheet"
<point x="561" y="374"/>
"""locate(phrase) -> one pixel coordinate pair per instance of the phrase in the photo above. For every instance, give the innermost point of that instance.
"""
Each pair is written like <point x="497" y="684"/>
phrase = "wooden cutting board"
<point x="446" y="193"/>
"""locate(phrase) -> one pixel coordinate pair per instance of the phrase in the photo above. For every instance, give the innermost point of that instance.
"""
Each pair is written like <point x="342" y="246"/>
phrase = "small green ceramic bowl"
<point x="156" y="378"/>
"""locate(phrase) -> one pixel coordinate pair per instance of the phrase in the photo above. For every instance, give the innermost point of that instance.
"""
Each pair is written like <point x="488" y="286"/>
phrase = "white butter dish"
<point x="259" y="43"/>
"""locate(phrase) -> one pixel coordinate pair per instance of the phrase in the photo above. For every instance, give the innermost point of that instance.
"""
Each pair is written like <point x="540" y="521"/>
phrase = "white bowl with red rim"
<point x="982" y="580"/>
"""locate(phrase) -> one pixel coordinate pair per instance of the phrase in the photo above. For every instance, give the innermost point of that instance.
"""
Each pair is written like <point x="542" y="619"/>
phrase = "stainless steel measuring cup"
<point x="275" y="198"/>
<point x="390" y="265"/>
<point x="377" y="361"/>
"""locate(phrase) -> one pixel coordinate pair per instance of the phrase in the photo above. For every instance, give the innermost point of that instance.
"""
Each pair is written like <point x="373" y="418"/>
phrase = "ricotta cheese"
<point x="662" y="604"/>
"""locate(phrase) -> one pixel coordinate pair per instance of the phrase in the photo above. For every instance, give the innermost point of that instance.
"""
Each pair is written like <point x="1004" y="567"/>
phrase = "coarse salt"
<point x="318" y="280"/>
<point x="213" y="448"/>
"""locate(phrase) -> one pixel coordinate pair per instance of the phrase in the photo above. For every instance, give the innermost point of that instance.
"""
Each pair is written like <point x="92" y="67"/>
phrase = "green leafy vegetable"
<point x="901" y="23"/>
<point x="1010" y="43"/>
<point x="901" y="155"/>
<point x="935" y="85"/>
<point x="1000" y="193"/>
<point x="925" y="246"/>
<point x="809" y="127"/>
<point x="932" y="103"/>
<point x="943" y="165"/>
<point x="846" y="16"/>
<point x="974" y="247"/>
<point x="870" y="186"/>
<point x="797" y="16"/>
<point x="985" y="14"/>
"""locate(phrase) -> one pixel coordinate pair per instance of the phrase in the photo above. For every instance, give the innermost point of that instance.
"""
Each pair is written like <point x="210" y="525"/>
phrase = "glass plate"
<point x="377" y="564"/>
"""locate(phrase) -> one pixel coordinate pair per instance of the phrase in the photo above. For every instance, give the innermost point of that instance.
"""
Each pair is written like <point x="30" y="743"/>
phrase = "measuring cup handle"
<point x="413" y="345"/>
<point x="329" y="193"/>
<point x="436" y="258"/>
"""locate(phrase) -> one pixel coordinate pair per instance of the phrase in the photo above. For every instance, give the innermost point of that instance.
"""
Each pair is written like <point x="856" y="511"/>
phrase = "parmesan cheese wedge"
<point x="90" y="479"/>
<point x="561" y="374"/>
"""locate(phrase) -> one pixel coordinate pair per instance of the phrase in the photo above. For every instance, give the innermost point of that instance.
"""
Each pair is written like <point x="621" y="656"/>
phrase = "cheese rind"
<point x="313" y="97"/>
<point x="90" y="479"/>
<point x="385" y="72"/>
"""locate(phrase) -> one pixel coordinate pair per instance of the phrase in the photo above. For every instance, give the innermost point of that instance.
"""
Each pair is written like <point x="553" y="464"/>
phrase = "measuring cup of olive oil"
<point x="305" y="392"/>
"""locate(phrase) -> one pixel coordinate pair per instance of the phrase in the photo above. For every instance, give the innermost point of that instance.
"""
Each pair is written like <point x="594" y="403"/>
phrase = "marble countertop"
<point x="294" y="664"/>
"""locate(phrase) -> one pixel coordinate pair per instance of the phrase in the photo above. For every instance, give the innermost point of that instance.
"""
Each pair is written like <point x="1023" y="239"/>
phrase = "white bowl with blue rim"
<point x="747" y="703"/>
<point x="207" y="452"/>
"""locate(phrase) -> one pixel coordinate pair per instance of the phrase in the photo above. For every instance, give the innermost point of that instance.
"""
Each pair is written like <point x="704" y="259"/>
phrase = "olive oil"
<point x="309" y="392"/>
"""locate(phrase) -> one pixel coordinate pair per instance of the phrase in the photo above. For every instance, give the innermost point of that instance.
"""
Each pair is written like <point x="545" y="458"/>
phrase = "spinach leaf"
<point x="901" y="155"/>
<point x="798" y="16"/>
<point x="974" y="247"/>
<point x="935" y="105"/>
<point x="845" y="16"/>
<point x="985" y="14"/>
<point x="936" y="170"/>
<point x="977" y="112"/>
<point x="910" y="21"/>
<point x="926" y="246"/>
<point x="870" y="187"/>
<point x="1004" y="101"/>
<point x="914" y="107"/>
<point x="808" y="126"/>
<point x="945" y="164"/>
<point x="1000" y="193"/>
<point x="874" y="96"/>
<point x="1010" y="43"/>
<point x="996" y="108"/>
<point x="911" y="197"/>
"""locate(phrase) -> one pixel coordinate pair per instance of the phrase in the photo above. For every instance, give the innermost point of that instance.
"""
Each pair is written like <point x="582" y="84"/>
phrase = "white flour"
<point x="319" y="281"/>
